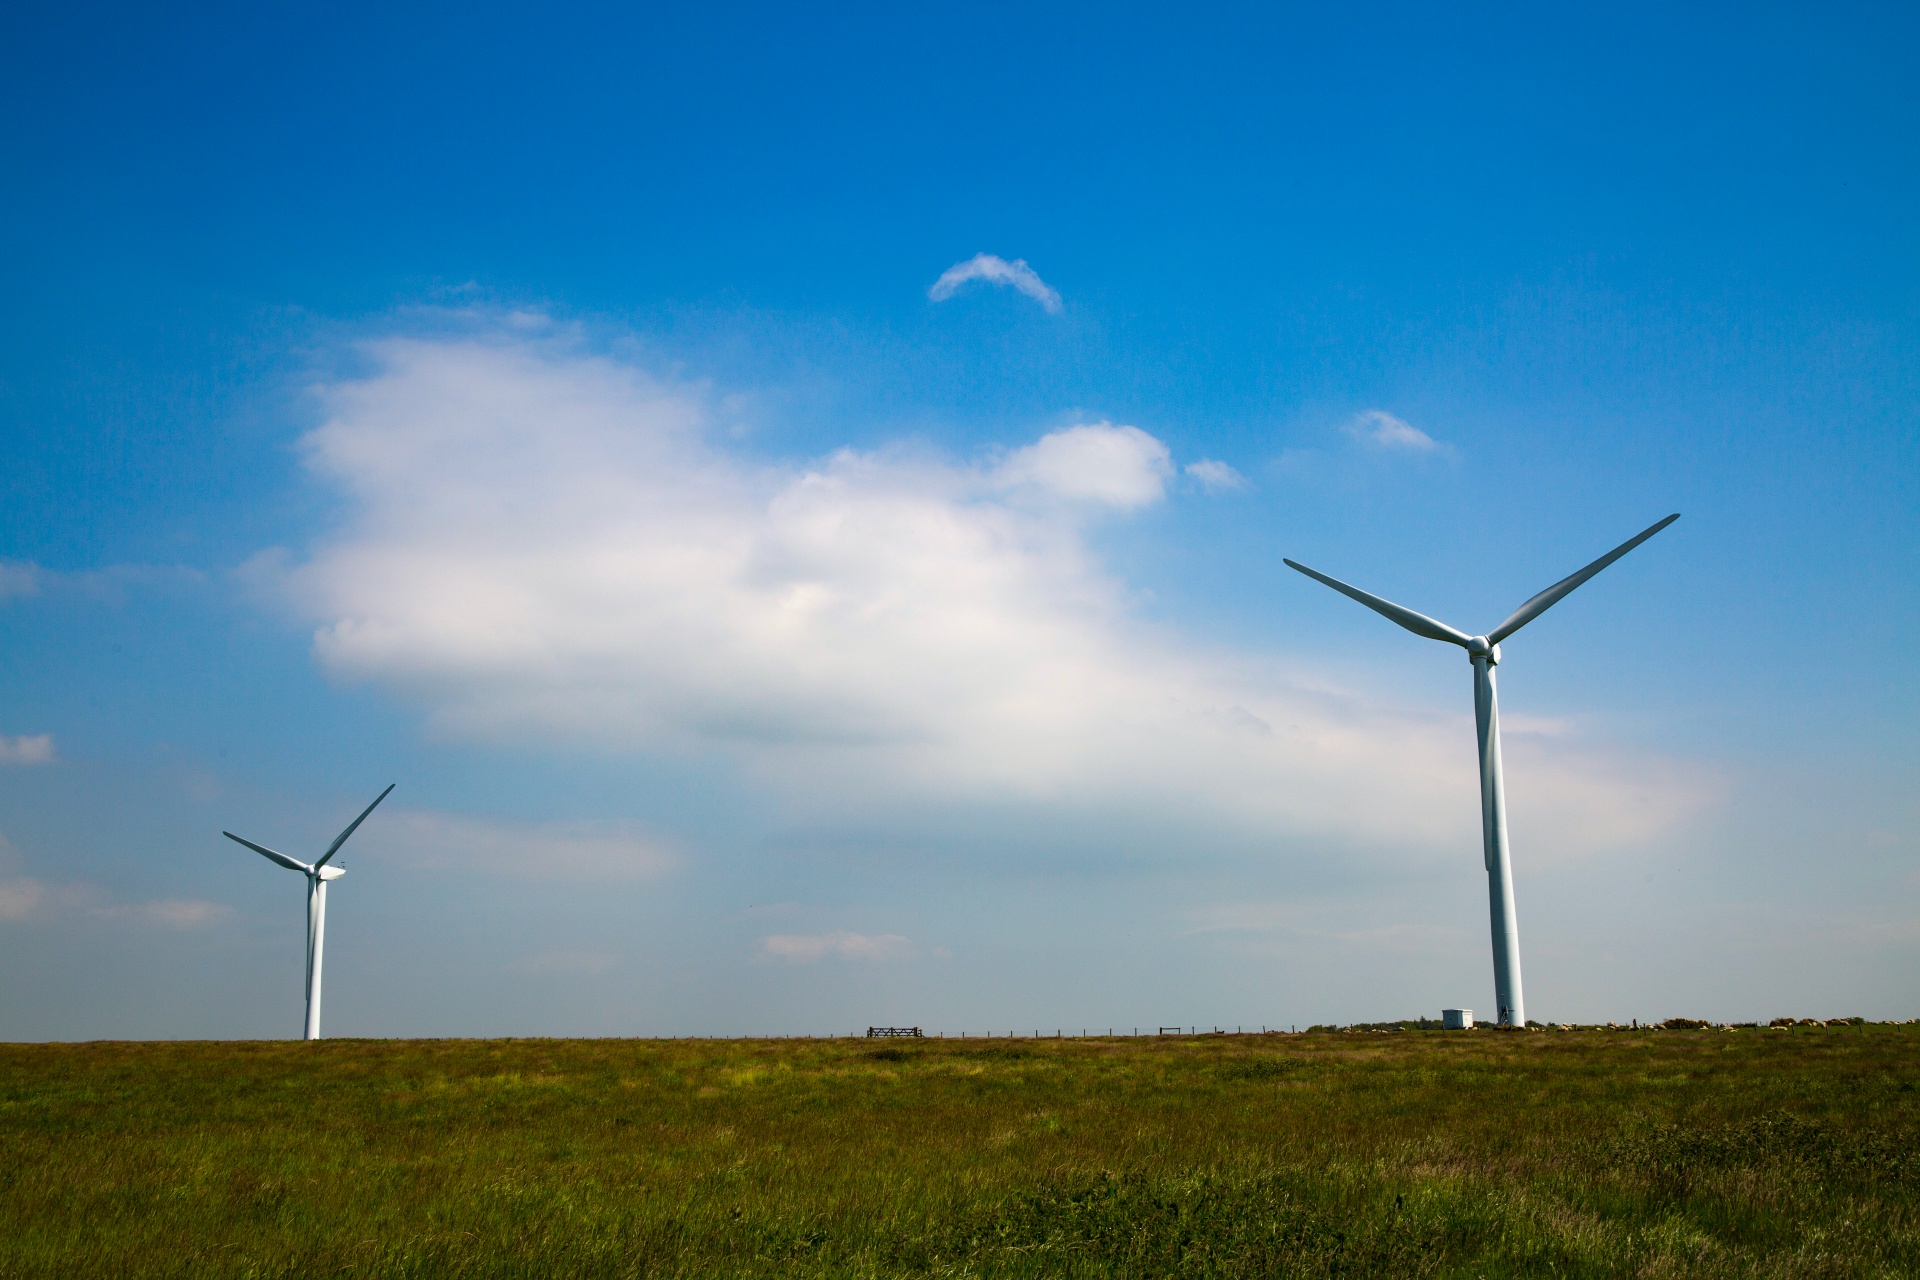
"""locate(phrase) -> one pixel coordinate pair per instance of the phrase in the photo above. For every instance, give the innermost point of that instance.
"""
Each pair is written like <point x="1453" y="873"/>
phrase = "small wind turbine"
<point x="317" y="876"/>
<point x="1484" y="652"/>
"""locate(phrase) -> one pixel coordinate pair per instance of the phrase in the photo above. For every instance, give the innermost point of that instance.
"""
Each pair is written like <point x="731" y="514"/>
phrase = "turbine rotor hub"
<point x="1477" y="647"/>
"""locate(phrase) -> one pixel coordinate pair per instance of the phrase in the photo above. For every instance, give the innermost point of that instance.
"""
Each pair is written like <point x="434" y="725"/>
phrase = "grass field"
<point x="1584" y="1153"/>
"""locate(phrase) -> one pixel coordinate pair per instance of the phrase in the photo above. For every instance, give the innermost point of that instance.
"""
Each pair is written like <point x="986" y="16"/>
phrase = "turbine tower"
<point x="1484" y="652"/>
<point x="317" y="875"/>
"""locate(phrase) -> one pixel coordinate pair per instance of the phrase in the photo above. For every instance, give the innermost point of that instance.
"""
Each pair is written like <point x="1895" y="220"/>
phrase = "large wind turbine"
<point x="1484" y="651"/>
<point x="317" y="876"/>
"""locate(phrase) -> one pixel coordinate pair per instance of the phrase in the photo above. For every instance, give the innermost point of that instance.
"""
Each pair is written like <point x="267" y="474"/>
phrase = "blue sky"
<point x="556" y="414"/>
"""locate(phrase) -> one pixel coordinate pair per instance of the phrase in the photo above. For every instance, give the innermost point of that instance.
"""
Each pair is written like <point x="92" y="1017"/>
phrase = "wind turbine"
<point x="317" y="877"/>
<point x="1484" y="652"/>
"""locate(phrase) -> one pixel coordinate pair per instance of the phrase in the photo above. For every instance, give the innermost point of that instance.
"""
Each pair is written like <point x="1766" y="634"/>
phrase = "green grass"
<point x="1586" y="1153"/>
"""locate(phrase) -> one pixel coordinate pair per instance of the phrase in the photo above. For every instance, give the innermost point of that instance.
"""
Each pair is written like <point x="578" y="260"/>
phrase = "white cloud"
<point x="37" y="749"/>
<point x="1382" y="430"/>
<point x="1539" y="726"/>
<point x="113" y="585"/>
<point x="20" y="898"/>
<point x="1305" y="919"/>
<point x="545" y="544"/>
<point x="1116" y="466"/>
<point x="171" y="913"/>
<point x="1216" y="476"/>
<point x="23" y="898"/>
<point x="810" y="948"/>
<point x="19" y="578"/>
<point x="985" y="266"/>
<point x="566" y="963"/>
<point x="430" y="841"/>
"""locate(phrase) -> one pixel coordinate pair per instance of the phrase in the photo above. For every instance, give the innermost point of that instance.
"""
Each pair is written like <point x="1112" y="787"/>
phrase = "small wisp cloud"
<point x="1381" y="430"/>
<point x="995" y="270"/>
<point x="1099" y="463"/>
<point x="803" y="948"/>
<point x="567" y="962"/>
<point x="26" y="749"/>
<point x="23" y="898"/>
<point x="19" y="578"/>
<point x="1216" y="477"/>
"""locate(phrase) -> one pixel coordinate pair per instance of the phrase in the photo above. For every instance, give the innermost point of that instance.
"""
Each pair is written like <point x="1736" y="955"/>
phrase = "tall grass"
<point x="1698" y="1153"/>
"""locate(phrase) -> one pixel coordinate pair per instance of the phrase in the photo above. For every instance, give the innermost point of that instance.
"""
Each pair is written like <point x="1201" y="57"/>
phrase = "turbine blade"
<point x="281" y="858"/>
<point x="1418" y="623"/>
<point x="1552" y="595"/>
<point x="351" y="828"/>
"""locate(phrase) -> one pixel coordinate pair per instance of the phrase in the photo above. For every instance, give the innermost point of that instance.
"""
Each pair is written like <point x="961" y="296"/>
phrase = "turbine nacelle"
<point x="330" y="873"/>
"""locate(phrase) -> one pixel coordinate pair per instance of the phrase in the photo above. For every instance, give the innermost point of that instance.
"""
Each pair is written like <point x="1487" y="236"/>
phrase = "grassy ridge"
<point x="1708" y="1153"/>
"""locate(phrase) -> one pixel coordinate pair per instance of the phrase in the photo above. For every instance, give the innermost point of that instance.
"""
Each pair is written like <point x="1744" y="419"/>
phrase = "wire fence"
<point x="1058" y="1033"/>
